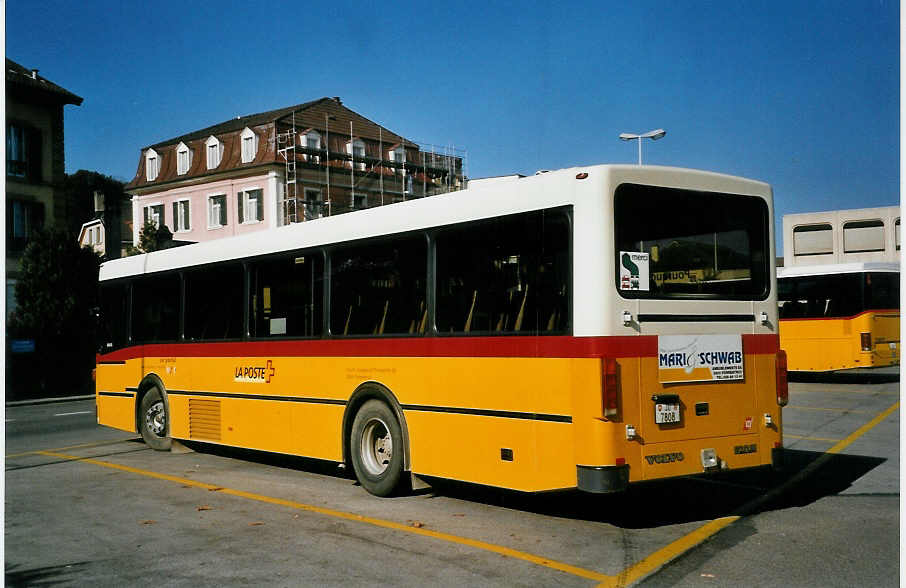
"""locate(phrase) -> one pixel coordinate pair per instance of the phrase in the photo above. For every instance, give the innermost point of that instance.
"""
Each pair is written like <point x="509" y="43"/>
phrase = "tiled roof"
<point x="236" y="124"/>
<point x="16" y="75"/>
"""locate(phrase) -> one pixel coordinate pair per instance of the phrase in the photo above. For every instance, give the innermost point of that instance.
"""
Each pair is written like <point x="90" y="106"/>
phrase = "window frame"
<point x="248" y="142"/>
<point x="242" y="206"/>
<point x="215" y="146"/>
<point x="177" y="206"/>
<point x="160" y="220"/>
<point x="152" y="165"/>
<point x="183" y="159"/>
<point x="223" y="212"/>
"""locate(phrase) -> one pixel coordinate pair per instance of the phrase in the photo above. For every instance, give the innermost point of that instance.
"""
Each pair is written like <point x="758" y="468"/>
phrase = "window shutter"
<point x="260" y="200"/>
<point x="176" y="226"/>
<point x="239" y="198"/>
<point x="33" y="154"/>
<point x="223" y="211"/>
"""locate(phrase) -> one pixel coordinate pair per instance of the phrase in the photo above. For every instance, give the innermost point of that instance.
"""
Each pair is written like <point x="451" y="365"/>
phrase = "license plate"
<point x="666" y="413"/>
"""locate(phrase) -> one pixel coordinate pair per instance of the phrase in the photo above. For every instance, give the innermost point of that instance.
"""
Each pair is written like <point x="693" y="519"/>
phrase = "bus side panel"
<point x="115" y="403"/>
<point x="447" y="402"/>
<point x="819" y="344"/>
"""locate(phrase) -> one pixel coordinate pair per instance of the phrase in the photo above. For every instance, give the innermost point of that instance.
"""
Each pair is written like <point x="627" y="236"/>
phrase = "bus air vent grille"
<point x="204" y="419"/>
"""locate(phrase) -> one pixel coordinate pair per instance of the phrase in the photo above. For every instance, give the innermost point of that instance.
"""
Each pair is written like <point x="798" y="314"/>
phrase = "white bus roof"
<point x="547" y="190"/>
<point x="837" y="268"/>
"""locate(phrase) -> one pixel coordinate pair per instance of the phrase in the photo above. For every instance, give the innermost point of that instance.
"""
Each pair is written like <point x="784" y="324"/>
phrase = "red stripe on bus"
<point x="540" y="347"/>
<point x="843" y="318"/>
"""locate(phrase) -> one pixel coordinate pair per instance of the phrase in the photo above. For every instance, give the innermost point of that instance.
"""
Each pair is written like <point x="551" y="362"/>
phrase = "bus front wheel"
<point x="376" y="449"/>
<point x="153" y="421"/>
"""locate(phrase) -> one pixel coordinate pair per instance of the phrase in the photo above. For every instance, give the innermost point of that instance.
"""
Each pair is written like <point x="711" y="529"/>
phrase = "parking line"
<point x="788" y="436"/>
<point x="843" y="410"/>
<point x="662" y="556"/>
<point x="80" y="446"/>
<point x="499" y="549"/>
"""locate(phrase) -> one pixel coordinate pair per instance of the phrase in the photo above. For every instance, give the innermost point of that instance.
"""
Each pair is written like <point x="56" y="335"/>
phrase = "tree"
<point x="56" y="295"/>
<point x="151" y="238"/>
<point x="78" y="191"/>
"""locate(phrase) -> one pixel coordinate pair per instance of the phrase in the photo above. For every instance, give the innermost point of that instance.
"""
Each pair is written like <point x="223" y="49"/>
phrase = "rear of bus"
<point x="693" y="379"/>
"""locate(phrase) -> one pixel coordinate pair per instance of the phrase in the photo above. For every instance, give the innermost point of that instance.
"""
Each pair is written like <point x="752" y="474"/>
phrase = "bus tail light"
<point x="783" y="388"/>
<point x="610" y="387"/>
<point x="866" y="341"/>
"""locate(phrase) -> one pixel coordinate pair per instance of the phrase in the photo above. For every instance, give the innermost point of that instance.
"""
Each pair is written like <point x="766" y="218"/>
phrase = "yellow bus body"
<point x="824" y="344"/>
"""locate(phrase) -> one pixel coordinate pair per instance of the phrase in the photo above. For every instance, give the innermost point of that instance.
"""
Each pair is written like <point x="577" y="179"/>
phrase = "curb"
<point x="49" y="400"/>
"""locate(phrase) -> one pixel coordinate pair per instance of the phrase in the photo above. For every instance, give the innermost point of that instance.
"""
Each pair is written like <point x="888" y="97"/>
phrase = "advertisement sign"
<point x="699" y="358"/>
<point x="634" y="270"/>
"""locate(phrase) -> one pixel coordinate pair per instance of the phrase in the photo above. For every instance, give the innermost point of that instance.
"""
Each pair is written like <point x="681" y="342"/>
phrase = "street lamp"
<point x="653" y="135"/>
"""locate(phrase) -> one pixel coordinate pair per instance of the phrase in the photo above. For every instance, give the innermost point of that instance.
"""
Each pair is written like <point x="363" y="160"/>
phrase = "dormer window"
<point x="183" y="159"/>
<point x="214" y="149"/>
<point x="249" y="145"/>
<point x="152" y="165"/>
<point x="398" y="155"/>
<point x="312" y="140"/>
<point x="356" y="148"/>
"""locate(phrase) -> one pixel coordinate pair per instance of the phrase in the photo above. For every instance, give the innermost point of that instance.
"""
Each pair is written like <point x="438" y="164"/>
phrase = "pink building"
<point x="267" y="170"/>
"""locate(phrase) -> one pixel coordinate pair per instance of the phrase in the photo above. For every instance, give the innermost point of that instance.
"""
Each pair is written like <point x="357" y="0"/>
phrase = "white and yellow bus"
<point x="840" y="316"/>
<point x="584" y="328"/>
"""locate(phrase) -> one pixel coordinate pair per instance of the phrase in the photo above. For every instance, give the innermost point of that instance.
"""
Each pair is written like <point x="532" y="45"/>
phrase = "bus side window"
<point x="155" y="308"/>
<point x="508" y="275"/>
<point x="214" y="299"/>
<point x="286" y="296"/>
<point x="114" y="306"/>
<point x="379" y="288"/>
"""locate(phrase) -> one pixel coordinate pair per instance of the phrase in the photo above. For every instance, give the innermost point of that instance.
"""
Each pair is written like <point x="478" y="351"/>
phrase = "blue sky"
<point x="802" y="95"/>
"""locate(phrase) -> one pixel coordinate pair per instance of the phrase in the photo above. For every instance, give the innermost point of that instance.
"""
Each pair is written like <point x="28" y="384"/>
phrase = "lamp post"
<point x="653" y="135"/>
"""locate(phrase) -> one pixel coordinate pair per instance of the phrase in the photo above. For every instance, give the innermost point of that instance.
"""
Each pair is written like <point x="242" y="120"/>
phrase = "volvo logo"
<point x="664" y="458"/>
<point x="743" y="449"/>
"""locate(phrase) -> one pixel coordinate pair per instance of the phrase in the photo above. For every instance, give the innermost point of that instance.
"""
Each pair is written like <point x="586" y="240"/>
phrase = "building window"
<point x="181" y="222"/>
<point x="152" y="165"/>
<point x="249" y="145"/>
<point x="22" y="219"/>
<point x="183" y="159"/>
<point x="896" y="233"/>
<point x="398" y="155"/>
<point x="23" y="152"/>
<point x="312" y="204"/>
<point x="214" y="150"/>
<point x="863" y="236"/>
<point x="154" y="213"/>
<point x="312" y="140"/>
<point x="356" y="148"/>
<point x="813" y="239"/>
<point x="251" y="206"/>
<point x="217" y="211"/>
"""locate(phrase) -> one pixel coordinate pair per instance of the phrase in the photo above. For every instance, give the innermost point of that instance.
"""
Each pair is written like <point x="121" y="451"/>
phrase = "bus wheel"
<point x="153" y="422"/>
<point x="376" y="449"/>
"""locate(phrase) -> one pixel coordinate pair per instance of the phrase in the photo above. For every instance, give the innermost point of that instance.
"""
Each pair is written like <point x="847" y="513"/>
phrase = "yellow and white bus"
<point x="583" y="328"/>
<point x="840" y="316"/>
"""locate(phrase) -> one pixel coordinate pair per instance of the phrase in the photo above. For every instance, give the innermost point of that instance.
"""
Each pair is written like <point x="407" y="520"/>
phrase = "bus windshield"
<point x="695" y="244"/>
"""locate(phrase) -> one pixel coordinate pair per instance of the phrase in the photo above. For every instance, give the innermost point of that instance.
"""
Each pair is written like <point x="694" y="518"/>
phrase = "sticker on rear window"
<point x="634" y="270"/>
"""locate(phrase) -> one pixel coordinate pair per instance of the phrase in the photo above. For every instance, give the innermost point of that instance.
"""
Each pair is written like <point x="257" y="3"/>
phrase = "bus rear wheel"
<point x="153" y="421"/>
<point x="377" y="449"/>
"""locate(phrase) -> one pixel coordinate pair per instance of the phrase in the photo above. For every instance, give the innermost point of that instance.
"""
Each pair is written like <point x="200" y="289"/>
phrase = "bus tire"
<point x="153" y="420"/>
<point x="376" y="449"/>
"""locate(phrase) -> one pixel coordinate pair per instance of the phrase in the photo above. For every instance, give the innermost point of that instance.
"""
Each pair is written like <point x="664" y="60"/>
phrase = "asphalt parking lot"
<point x="90" y="505"/>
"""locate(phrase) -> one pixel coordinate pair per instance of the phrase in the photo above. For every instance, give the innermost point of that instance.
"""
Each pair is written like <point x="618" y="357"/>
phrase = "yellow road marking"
<point x="80" y="446"/>
<point x="863" y="429"/>
<point x="651" y="563"/>
<point x="788" y="436"/>
<point x="660" y="557"/>
<point x="506" y="551"/>
<point x="852" y="410"/>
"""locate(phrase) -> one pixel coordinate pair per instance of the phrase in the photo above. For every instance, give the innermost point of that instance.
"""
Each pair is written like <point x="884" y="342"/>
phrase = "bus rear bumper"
<point x="602" y="479"/>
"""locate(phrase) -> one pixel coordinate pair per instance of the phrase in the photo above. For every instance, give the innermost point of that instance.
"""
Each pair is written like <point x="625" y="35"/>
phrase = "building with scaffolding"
<point x="275" y="168"/>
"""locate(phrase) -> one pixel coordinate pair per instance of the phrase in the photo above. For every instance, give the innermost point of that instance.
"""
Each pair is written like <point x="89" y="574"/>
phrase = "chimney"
<point x="337" y="98"/>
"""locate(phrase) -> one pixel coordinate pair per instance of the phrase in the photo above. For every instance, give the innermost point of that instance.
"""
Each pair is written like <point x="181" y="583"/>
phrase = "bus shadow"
<point x="683" y="500"/>
<point x="642" y="505"/>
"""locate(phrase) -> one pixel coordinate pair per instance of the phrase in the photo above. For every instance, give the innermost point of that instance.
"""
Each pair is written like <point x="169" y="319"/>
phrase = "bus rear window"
<point x="673" y="243"/>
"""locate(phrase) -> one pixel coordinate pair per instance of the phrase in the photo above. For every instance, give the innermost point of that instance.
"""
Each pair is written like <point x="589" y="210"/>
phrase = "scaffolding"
<point x="435" y="170"/>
